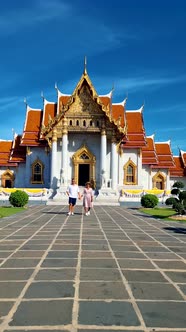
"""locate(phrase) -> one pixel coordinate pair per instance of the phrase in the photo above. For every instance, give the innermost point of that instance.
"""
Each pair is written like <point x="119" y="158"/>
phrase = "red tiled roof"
<point x="49" y="112"/>
<point x="31" y="133"/>
<point x="149" y="155"/>
<point x="164" y="153"/>
<point x="5" y="149"/>
<point x="118" y="113"/>
<point x="105" y="100"/>
<point x="135" y="129"/>
<point x="18" y="152"/>
<point x="178" y="170"/>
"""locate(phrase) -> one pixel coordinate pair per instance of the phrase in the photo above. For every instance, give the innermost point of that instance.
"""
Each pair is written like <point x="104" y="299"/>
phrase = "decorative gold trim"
<point x="91" y="160"/>
<point x="134" y="173"/>
<point x="28" y="151"/>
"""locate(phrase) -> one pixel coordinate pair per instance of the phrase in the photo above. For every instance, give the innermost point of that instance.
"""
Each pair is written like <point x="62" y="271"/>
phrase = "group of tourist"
<point x="74" y="193"/>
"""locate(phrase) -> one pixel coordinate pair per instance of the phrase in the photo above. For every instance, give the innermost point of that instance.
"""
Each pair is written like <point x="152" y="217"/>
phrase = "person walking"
<point x="73" y="193"/>
<point x="87" y="198"/>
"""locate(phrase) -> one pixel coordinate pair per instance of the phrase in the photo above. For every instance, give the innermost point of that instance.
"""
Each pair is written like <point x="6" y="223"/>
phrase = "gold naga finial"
<point x="85" y="65"/>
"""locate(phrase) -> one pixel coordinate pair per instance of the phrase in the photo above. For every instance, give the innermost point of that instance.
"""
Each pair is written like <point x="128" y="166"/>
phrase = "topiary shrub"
<point x="171" y="201"/>
<point x="18" y="198"/>
<point x="178" y="184"/>
<point x="149" y="201"/>
<point x="182" y="196"/>
<point x="175" y="191"/>
<point x="178" y="207"/>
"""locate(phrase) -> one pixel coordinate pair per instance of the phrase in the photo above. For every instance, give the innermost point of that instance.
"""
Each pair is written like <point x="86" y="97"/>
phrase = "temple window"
<point x="97" y="123"/>
<point x="84" y="123"/>
<point x="77" y="123"/>
<point x="90" y="123"/>
<point x="70" y="123"/>
<point x="37" y="172"/>
<point x="130" y="173"/>
<point x="158" y="181"/>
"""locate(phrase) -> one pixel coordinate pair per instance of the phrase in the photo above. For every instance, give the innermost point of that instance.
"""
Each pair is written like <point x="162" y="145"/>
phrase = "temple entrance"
<point x="84" y="174"/>
<point x="84" y="166"/>
<point x="8" y="184"/>
<point x="7" y="179"/>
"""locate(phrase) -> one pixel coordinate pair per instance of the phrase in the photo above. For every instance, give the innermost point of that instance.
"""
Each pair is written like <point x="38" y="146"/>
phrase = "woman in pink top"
<point x="87" y="198"/>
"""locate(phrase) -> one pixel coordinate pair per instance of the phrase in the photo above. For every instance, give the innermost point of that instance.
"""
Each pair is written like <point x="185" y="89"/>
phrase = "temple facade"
<point x="86" y="136"/>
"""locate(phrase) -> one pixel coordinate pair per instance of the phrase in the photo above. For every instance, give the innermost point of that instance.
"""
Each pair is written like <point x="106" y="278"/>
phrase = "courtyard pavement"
<point x="115" y="270"/>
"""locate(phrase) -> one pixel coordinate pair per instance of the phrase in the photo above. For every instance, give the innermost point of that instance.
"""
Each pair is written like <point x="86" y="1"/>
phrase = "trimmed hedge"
<point x="18" y="198"/>
<point x="149" y="201"/>
<point x="171" y="200"/>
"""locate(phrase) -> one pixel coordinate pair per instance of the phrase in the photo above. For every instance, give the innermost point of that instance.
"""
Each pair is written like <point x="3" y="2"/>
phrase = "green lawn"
<point x="161" y="213"/>
<point x="9" y="210"/>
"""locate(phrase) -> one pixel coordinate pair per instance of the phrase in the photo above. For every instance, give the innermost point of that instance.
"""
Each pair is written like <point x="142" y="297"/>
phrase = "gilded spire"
<point x="85" y="65"/>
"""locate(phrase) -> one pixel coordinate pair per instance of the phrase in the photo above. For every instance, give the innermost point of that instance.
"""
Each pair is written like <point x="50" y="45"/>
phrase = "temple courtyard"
<point x="115" y="270"/>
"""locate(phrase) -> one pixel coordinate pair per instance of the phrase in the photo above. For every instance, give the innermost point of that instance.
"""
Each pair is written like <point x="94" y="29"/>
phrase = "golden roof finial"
<point x="85" y="65"/>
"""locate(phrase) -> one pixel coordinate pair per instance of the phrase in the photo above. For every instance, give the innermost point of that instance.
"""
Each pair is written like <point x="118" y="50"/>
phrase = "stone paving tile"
<point x="154" y="291"/>
<point x="50" y="262"/>
<point x="95" y="247"/>
<point x="99" y="254"/>
<point x="17" y="263"/>
<point x="98" y="263"/>
<point x="178" y="277"/>
<point x="102" y="290"/>
<point x="102" y="313"/>
<point x="183" y="288"/>
<point x="164" y="314"/>
<point x="145" y="276"/>
<point x="162" y="255"/>
<point x="28" y="254"/>
<point x="171" y="265"/>
<point x="15" y="274"/>
<point x="135" y="263"/>
<point x="54" y="312"/>
<point x="5" y="308"/>
<point x="62" y="254"/>
<point x="50" y="290"/>
<point x="100" y="274"/>
<point x="4" y="254"/>
<point x="129" y="254"/>
<point x="11" y="289"/>
<point x="56" y="274"/>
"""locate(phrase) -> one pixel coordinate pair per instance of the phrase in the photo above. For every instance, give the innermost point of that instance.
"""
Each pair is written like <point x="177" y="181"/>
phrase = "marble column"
<point x="53" y="178"/>
<point x="64" y="175"/>
<point x="114" y="164"/>
<point x="103" y="158"/>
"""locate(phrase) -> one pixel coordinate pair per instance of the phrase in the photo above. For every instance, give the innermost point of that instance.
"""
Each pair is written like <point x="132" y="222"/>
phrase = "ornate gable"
<point x="85" y="111"/>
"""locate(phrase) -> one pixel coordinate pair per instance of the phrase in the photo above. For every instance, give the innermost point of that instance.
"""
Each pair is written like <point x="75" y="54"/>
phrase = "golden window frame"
<point x="37" y="161"/>
<point x="161" y="177"/>
<point x="134" y="172"/>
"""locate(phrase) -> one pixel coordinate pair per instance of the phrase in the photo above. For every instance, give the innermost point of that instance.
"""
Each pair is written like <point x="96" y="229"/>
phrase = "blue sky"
<point x="139" y="47"/>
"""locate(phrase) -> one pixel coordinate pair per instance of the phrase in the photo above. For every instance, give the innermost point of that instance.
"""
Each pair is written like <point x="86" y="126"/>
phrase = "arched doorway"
<point x="7" y="179"/>
<point x="84" y="166"/>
